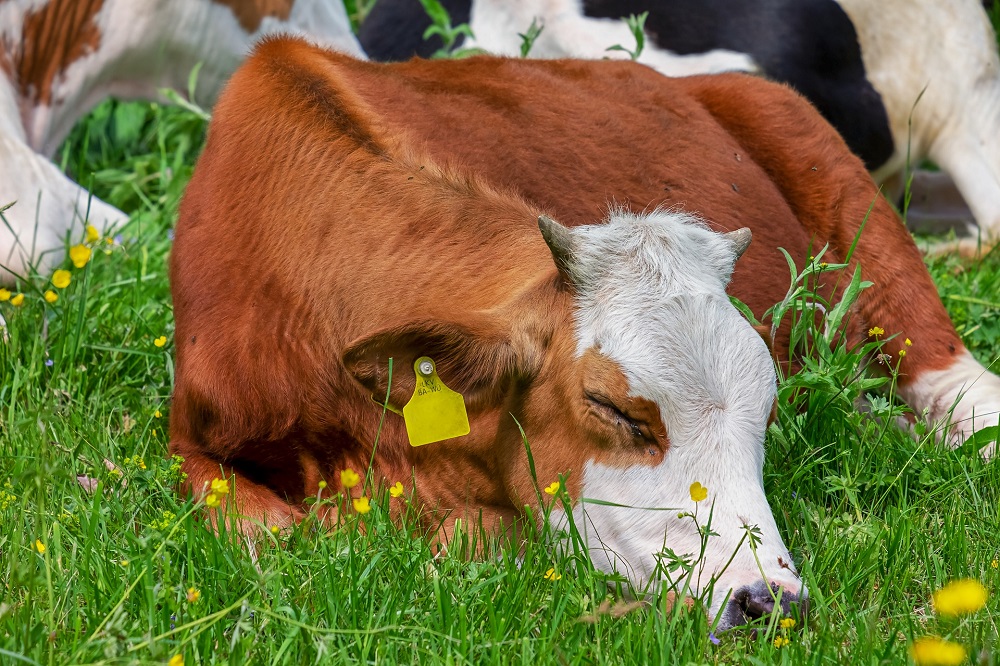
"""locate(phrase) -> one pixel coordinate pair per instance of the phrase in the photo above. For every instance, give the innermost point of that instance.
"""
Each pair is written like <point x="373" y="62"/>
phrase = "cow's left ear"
<point x="476" y="358"/>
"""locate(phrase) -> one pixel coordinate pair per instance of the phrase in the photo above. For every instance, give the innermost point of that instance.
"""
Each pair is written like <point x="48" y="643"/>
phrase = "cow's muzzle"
<point x="760" y="600"/>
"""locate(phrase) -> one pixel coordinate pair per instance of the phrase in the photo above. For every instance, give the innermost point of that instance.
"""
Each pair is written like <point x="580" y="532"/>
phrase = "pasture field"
<point x="102" y="562"/>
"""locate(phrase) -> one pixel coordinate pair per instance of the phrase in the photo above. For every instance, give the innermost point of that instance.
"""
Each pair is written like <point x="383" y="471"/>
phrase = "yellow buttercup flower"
<point x="396" y="489"/>
<point x="61" y="278"/>
<point x="176" y="660"/>
<point x="51" y="296"/>
<point x="322" y="484"/>
<point x="698" y="492"/>
<point x="135" y="460"/>
<point x="995" y="564"/>
<point x="275" y="530"/>
<point x="4" y="295"/>
<point x="17" y="300"/>
<point x="361" y="505"/>
<point x="552" y="488"/>
<point x="193" y="595"/>
<point x="902" y="353"/>
<point x="212" y="500"/>
<point x="787" y="623"/>
<point x="960" y="597"/>
<point x="908" y="342"/>
<point x="220" y="486"/>
<point x="875" y="331"/>
<point x="934" y="651"/>
<point x="349" y="478"/>
<point x="92" y="233"/>
<point x="552" y="574"/>
<point x="157" y="414"/>
<point x="80" y="255"/>
<point x="39" y="546"/>
<point x="160" y="341"/>
<point x="781" y="642"/>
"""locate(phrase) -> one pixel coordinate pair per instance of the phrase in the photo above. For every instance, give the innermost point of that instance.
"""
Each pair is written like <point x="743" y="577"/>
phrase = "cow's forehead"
<point x="650" y="256"/>
<point x="644" y="281"/>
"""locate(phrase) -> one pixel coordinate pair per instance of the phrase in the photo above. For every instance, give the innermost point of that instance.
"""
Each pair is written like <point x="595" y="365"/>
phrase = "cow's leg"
<point x="47" y="205"/>
<point x="570" y="33"/>
<point x="830" y="192"/>
<point x="976" y="178"/>
<point x="248" y="504"/>
<point x="965" y="395"/>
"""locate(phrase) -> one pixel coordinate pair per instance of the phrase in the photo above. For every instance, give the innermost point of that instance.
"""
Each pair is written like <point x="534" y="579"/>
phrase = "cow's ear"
<point x="561" y="243"/>
<point x="476" y="358"/>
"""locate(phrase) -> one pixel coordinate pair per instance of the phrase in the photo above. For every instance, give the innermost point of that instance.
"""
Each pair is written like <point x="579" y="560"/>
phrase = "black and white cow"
<point x="866" y="65"/>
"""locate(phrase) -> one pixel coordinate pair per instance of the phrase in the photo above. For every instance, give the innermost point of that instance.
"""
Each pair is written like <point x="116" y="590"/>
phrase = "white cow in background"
<point x="59" y="58"/>
<point x="943" y="54"/>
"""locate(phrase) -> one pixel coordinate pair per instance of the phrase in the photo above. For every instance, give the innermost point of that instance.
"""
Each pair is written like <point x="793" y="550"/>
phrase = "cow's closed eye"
<point x="609" y="412"/>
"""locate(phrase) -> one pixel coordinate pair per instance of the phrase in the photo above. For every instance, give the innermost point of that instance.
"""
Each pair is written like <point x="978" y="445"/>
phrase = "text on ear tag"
<point x="434" y="412"/>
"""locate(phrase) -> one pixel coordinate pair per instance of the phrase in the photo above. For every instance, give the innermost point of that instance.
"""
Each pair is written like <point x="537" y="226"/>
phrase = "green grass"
<point x="875" y="519"/>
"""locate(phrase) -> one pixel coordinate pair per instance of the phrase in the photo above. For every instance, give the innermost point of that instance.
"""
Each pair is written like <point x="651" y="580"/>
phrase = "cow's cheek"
<point x="558" y="449"/>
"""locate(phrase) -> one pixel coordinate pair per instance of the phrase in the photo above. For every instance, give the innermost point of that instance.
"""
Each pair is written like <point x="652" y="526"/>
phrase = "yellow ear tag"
<point x="435" y="412"/>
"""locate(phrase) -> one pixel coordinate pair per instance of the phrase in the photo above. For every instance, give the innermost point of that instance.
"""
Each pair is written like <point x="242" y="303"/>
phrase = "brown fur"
<point x="251" y="13"/>
<point x="319" y="237"/>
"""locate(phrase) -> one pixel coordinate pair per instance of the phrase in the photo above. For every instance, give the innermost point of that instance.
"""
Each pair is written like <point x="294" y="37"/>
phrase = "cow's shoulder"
<point x="307" y="87"/>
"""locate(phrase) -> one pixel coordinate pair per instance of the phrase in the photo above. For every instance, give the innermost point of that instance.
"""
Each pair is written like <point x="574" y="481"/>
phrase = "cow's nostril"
<point x="757" y="606"/>
<point x="757" y="601"/>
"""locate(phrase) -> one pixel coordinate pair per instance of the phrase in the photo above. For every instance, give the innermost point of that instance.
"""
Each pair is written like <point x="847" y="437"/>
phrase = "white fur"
<point x="146" y="45"/>
<point x="568" y="33"/>
<point x="39" y="192"/>
<point x="651" y="296"/>
<point x="948" y="52"/>
<point x="969" y="388"/>
<point x="44" y="193"/>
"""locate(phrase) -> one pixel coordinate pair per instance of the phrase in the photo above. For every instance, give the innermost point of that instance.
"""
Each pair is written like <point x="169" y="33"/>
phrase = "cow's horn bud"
<point x="560" y="241"/>
<point x="740" y="240"/>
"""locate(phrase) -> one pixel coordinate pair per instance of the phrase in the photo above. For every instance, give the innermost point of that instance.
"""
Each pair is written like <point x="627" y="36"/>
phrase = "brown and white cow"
<point x="344" y="213"/>
<point x="58" y="58"/>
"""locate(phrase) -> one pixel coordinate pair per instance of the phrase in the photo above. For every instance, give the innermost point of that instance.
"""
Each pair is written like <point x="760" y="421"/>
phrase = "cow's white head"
<point x="630" y="371"/>
<point x="672" y="366"/>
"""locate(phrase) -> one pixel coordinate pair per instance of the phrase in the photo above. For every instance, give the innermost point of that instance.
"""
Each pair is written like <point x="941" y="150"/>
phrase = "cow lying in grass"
<point x="864" y="65"/>
<point x="58" y="58"/>
<point x="346" y="213"/>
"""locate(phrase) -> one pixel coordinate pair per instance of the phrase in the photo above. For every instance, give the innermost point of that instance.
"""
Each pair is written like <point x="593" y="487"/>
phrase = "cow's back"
<point x="576" y="137"/>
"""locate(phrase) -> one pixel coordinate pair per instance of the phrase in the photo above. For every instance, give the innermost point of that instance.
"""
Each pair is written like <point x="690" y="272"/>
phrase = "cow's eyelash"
<point x="617" y="415"/>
